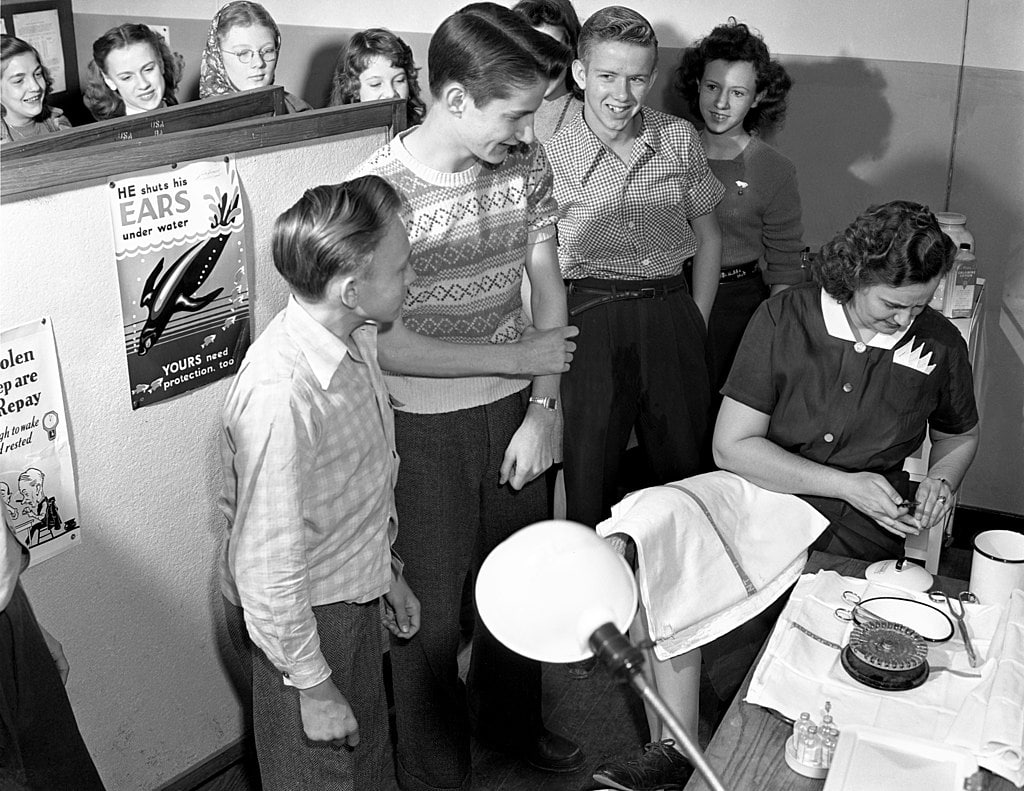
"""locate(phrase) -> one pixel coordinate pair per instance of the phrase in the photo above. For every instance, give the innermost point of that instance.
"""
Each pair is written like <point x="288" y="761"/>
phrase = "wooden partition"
<point x="216" y="110"/>
<point x="136" y="604"/>
<point x="61" y="168"/>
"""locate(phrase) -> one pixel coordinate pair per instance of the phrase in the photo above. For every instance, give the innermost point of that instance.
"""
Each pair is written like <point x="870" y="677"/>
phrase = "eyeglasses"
<point x="245" y="56"/>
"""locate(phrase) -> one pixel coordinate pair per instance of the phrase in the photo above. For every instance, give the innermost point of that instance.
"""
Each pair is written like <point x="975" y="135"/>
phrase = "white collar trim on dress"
<point x="838" y="326"/>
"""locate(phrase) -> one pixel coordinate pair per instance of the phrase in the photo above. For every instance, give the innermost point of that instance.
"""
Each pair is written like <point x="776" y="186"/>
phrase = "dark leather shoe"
<point x="551" y="752"/>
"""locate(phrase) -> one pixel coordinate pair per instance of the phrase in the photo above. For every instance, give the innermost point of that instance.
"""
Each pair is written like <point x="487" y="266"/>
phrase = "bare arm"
<point x="707" y="263"/>
<point x="741" y="446"/>
<point x="530" y="451"/>
<point x="403" y="351"/>
<point x="950" y="456"/>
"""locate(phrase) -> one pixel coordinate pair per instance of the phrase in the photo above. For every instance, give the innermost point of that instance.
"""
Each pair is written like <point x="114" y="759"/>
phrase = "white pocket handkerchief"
<point x="914" y="357"/>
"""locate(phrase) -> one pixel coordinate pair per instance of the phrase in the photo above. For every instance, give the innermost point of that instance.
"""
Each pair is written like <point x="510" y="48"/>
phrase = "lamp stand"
<point x="625" y="661"/>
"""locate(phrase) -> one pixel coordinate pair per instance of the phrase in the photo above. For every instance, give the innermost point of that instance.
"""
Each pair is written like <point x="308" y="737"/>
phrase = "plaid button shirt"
<point x="309" y="472"/>
<point x="630" y="221"/>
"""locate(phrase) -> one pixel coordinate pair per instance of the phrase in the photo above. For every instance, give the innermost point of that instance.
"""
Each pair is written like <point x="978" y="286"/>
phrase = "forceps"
<point x="957" y="611"/>
<point x="848" y="614"/>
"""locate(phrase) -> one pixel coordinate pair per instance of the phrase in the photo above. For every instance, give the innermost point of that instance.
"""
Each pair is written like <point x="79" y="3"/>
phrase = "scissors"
<point x="848" y="613"/>
<point x="956" y="609"/>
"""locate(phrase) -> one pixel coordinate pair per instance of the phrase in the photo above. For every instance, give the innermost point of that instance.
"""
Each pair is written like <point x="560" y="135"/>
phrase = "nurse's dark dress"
<point x="857" y="407"/>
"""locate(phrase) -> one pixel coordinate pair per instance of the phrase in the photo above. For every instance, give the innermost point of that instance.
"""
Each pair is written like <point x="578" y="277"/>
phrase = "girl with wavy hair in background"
<point x="377" y="64"/>
<point x="24" y="85"/>
<point x="132" y="71"/>
<point x="731" y="82"/>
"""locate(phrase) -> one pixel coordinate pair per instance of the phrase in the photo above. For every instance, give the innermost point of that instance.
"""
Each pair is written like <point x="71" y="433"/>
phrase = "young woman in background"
<point x="132" y="71"/>
<point x="25" y="86"/>
<point x="731" y="82"/>
<point x="563" y="101"/>
<point x="377" y="64"/>
<point x="241" y="53"/>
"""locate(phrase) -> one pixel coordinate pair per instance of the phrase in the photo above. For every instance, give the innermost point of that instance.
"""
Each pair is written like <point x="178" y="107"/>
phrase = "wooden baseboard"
<point x="238" y="751"/>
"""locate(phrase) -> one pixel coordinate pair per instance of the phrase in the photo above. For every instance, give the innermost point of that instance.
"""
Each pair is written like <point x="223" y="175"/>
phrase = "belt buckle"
<point x="648" y="292"/>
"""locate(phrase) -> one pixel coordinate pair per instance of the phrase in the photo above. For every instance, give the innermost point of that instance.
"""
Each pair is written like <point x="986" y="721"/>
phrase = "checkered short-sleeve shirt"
<point x="630" y="221"/>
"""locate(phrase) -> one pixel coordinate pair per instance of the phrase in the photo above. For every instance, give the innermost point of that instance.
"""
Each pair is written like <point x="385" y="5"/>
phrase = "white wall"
<point x="914" y="30"/>
<point x="136" y="604"/>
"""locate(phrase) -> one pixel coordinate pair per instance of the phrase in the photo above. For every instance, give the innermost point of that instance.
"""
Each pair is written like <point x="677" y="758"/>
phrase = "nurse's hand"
<point x="934" y="501"/>
<point x="873" y="495"/>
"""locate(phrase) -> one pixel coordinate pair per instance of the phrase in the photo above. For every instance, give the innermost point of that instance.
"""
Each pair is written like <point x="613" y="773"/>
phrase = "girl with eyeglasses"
<point x="132" y="71"/>
<point x="241" y="53"/>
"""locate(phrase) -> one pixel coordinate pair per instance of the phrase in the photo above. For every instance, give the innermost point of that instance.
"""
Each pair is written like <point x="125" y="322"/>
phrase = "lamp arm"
<point x="625" y="660"/>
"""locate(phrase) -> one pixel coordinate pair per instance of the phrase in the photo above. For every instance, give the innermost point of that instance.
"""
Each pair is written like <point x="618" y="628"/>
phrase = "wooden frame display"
<point x="215" y="110"/>
<point x="63" y="168"/>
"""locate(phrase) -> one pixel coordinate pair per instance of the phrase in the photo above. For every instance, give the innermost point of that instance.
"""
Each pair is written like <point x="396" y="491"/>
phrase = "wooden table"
<point x="747" y="749"/>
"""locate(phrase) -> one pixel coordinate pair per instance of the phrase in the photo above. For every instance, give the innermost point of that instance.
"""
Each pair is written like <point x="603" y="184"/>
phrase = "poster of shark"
<point x="183" y="268"/>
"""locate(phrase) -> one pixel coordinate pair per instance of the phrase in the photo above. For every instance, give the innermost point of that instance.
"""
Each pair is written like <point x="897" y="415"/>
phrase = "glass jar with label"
<point x="954" y="225"/>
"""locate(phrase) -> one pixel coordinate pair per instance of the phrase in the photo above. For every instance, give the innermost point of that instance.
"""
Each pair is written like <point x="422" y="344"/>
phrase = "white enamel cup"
<point x="997" y="566"/>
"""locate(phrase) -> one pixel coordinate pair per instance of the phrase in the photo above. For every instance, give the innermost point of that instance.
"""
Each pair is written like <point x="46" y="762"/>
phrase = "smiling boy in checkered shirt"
<point x="636" y="202"/>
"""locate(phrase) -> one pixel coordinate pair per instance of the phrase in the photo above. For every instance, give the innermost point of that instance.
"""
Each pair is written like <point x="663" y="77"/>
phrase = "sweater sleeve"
<point x="782" y="229"/>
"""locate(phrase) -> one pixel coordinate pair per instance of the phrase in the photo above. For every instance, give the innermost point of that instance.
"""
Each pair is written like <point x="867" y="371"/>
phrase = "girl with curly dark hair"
<point x="24" y="85"/>
<point x="377" y="64"/>
<point x="132" y="71"/>
<point x="731" y="82"/>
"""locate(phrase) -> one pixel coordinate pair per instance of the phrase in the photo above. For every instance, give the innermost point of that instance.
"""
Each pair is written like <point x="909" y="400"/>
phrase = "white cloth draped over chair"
<point x="713" y="551"/>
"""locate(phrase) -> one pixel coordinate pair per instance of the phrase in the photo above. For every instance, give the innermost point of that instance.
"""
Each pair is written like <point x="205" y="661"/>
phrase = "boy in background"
<point x="309" y="469"/>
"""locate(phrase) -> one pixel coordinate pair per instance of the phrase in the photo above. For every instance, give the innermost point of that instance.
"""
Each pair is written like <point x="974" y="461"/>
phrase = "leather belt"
<point x="739" y="272"/>
<point x="731" y="273"/>
<point x="606" y="291"/>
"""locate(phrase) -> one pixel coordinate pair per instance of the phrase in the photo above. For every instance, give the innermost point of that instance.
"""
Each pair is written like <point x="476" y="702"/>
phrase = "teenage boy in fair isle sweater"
<point x="473" y="429"/>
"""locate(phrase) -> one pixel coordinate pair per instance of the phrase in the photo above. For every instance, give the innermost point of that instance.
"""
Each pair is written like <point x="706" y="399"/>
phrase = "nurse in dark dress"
<point x="836" y="383"/>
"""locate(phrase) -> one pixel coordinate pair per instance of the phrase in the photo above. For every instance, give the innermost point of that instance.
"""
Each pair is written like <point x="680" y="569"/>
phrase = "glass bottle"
<point x="809" y="750"/>
<point x="828" y="746"/>
<point x="800" y="727"/>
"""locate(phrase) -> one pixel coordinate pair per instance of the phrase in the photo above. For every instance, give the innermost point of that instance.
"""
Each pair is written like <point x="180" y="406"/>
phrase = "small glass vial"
<point x="808" y="751"/>
<point x="800" y="727"/>
<point x="829" y="738"/>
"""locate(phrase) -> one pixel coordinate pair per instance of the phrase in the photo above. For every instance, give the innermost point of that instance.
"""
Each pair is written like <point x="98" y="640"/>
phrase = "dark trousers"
<point x="352" y="644"/>
<point x="451" y="513"/>
<point x="639" y="363"/>
<point x="40" y="744"/>
<point x="735" y="303"/>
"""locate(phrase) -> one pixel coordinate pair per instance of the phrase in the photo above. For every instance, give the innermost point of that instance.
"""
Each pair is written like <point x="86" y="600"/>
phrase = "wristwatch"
<point x="547" y="403"/>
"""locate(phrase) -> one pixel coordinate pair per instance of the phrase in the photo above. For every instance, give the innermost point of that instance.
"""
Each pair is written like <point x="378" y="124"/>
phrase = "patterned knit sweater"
<point x="469" y="233"/>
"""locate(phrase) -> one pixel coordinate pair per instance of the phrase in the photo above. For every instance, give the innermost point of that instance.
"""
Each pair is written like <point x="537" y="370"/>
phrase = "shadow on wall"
<point x="838" y="116"/>
<point x="321" y="72"/>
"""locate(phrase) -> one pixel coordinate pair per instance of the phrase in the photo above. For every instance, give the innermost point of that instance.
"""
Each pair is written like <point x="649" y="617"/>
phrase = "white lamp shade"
<point x="545" y="589"/>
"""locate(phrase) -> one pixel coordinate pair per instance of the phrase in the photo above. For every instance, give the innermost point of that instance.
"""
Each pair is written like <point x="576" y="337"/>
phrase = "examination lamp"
<point x="556" y="592"/>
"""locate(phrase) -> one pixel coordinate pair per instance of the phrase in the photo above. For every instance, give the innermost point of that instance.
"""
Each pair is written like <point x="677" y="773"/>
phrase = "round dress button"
<point x="847" y="388"/>
<point x="829" y="437"/>
<point x="860" y="347"/>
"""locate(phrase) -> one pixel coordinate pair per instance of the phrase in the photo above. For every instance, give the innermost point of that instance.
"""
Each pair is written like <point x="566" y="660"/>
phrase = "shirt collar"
<point x="838" y="326"/>
<point x="323" y="350"/>
<point x="589" y="149"/>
